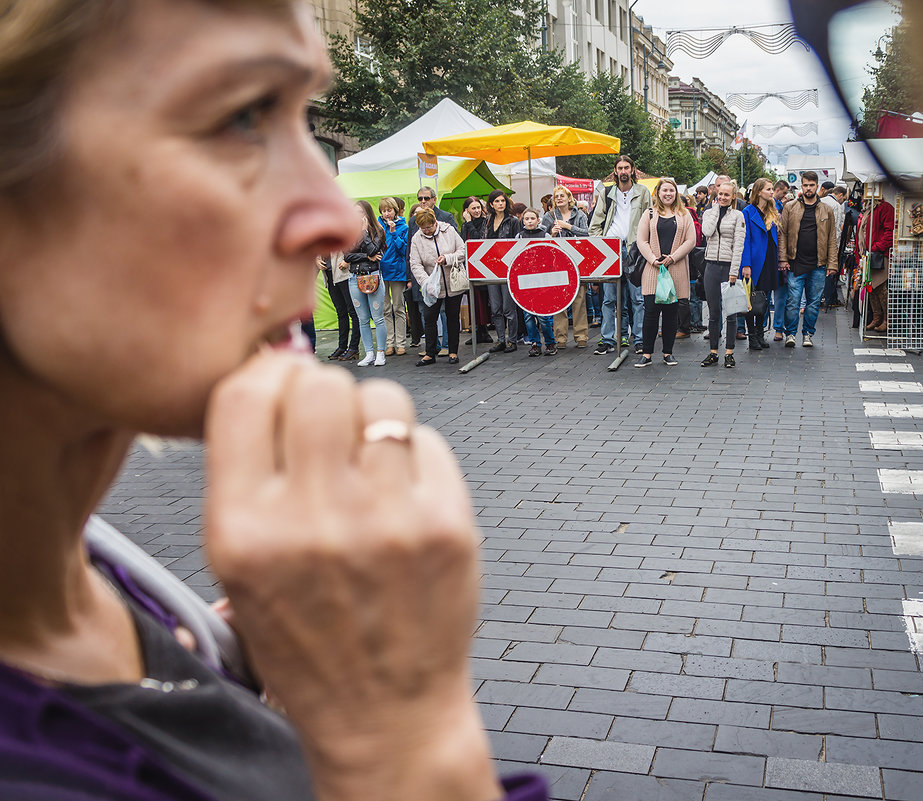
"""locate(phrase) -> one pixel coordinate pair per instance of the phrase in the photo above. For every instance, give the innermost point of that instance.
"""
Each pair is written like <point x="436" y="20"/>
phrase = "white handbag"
<point x="734" y="298"/>
<point x="458" y="279"/>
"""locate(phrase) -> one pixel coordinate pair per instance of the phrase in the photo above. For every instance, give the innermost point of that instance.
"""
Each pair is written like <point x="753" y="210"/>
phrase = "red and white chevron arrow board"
<point x="595" y="258"/>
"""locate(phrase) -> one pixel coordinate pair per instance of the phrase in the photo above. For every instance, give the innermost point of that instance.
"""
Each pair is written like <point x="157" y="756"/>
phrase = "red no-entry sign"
<point x="543" y="280"/>
<point x="544" y="275"/>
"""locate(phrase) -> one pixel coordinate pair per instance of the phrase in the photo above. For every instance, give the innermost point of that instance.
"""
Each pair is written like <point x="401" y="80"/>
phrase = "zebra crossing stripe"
<point x="913" y="623"/>
<point x="877" y="352"/>
<point x="897" y="440"/>
<point x="884" y="367"/>
<point x="902" y="482"/>
<point x="901" y="387"/>
<point x="895" y="410"/>
<point x="906" y="538"/>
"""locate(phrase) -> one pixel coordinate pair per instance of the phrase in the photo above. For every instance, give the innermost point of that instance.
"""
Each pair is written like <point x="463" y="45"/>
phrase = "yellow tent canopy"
<point x="518" y="141"/>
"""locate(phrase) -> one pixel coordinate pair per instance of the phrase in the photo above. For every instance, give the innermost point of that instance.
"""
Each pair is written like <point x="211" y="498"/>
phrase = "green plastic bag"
<point x="666" y="291"/>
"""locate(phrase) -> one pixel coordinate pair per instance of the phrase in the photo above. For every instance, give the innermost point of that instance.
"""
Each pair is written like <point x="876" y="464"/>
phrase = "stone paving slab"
<point x="699" y="584"/>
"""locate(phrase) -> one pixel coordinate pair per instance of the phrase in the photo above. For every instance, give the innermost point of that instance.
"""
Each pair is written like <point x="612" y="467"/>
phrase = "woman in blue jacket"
<point x="394" y="275"/>
<point x="760" y="260"/>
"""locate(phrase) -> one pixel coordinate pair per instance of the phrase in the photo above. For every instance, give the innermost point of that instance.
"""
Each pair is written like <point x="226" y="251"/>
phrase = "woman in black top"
<point x="473" y="228"/>
<point x="502" y="224"/>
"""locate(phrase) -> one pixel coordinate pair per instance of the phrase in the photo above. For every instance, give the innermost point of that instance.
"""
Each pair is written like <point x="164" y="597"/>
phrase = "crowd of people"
<point x="787" y="248"/>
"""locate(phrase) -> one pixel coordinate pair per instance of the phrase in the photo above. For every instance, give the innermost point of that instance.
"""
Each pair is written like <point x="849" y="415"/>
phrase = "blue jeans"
<point x="593" y="304"/>
<point x="779" y="302"/>
<point x="812" y="284"/>
<point x="695" y="306"/>
<point x="370" y="307"/>
<point x="533" y="323"/>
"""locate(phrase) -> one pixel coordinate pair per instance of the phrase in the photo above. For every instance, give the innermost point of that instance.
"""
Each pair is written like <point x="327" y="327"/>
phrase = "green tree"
<point x="894" y="79"/>
<point x="474" y="51"/>
<point x="626" y="120"/>
<point x="675" y="158"/>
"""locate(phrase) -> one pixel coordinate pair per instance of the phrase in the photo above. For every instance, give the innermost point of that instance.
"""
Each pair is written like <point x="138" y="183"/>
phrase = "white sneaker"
<point x="806" y="341"/>
<point x="380" y="359"/>
<point x="367" y="360"/>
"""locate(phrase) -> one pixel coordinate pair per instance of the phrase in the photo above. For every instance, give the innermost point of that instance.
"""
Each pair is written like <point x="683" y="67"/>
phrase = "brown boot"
<point x="875" y="308"/>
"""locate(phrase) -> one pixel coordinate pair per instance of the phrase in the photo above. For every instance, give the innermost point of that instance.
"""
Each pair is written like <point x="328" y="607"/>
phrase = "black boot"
<point x="753" y="334"/>
<point x="761" y="332"/>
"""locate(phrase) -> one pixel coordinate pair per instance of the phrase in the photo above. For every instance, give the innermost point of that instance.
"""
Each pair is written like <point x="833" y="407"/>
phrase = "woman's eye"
<point x="248" y="120"/>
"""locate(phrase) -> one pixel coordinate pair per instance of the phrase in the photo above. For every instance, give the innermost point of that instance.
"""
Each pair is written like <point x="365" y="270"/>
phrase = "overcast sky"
<point x="740" y="66"/>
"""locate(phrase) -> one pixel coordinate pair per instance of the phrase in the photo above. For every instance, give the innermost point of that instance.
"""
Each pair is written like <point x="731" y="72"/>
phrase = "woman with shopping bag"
<point x="437" y="250"/>
<point x="759" y="265"/>
<point x="666" y="235"/>
<point x="724" y="229"/>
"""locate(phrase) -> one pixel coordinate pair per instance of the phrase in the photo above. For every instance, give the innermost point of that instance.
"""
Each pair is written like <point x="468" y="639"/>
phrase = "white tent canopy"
<point x="903" y="157"/>
<point x="399" y="151"/>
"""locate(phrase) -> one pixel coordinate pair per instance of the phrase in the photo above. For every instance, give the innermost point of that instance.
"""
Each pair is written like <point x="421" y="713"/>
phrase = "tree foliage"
<point x="893" y="81"/>
<point x="482" y="55"/>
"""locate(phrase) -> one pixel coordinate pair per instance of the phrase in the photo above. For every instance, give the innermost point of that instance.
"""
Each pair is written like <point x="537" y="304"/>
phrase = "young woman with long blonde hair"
<point x="760" y="260"/>
<point x="666" y="235"/>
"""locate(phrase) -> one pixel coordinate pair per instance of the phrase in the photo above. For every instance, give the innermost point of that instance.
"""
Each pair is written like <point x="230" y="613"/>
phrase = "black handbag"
<point x="636" y="263"/>
<point x="697" y="263"/>
<point x="758" y="303"/>
<point x="876" y="259"/>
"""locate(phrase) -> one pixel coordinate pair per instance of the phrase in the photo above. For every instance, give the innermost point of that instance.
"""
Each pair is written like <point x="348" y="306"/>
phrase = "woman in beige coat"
<point x="666" y="235"/>
<point x="437" y="246"/>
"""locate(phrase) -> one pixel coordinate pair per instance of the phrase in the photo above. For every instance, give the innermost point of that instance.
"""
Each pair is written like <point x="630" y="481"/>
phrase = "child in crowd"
<point x="532" y="230"/>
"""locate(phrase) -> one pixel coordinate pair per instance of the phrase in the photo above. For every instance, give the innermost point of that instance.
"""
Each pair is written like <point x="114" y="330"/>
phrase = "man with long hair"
<point x="617" y="215"/>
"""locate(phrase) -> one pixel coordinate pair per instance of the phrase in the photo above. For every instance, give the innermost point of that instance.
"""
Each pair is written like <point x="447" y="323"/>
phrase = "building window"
<point x="364" y="54"/>
<point x="687" y="120"/>
<point x="613" y="18"/>
<point x="625" y="75"/>
<point x="574" y="26"/>
<point x="329" y="150"/>
<point x="599" y="11"/>
<point x="623" y="25"/>
<point x="600" y="61"/>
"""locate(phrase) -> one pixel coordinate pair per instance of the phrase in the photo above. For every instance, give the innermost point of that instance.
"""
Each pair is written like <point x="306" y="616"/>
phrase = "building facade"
<point x="651" y="70"/>
<point x="333" y="16"/>
<point x="595" y="34"/>
<point x="704" y="119"/>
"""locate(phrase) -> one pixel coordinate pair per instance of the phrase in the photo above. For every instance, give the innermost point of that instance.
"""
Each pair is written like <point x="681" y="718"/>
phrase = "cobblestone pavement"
<point x="698" y="583"/>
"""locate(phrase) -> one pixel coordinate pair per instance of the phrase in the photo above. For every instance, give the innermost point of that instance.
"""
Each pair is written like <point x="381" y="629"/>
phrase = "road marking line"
<point x="890" y="386"/>
<point x="906" y="538"/>
<point x="883" y="367"/>
<point x="913" y="623"/>
<point x="905" y="482"/>
<point x="895" y="410"/>
<point x="896" y="440"/>
<point x="544" y="280"/>
<point x="877" y="352"/>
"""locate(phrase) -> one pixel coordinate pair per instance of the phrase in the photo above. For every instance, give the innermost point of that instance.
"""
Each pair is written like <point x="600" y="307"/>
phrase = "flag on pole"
<point x="739" y="138"/>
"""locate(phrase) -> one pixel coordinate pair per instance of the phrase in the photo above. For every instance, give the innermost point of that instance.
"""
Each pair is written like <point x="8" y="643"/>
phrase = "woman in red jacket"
<point x="879" y="240"/>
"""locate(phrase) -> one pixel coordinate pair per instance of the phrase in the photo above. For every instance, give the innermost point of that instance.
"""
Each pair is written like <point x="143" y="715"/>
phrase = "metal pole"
<point x="631" y="49"/>
<point x="646" y="55"/>
<point x="620" y="356"/>
<point x="529" y="152"/>
<point x="694" y="123"/>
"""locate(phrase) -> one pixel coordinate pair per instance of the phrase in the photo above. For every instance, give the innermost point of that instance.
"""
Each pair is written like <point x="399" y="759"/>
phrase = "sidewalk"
<point x="697" y="582"/>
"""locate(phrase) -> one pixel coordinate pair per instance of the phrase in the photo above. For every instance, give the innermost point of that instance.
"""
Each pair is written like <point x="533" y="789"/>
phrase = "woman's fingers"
<point x="386" y="437"/>
<point x="241" y="422"/>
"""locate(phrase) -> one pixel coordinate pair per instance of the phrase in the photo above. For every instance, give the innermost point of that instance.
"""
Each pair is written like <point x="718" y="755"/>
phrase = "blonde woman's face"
<point x="387" y="214"/>
<point x="561" y="198"/>
<point x="766" y="192"/>
<point x="667" y="193"/>
<point x="188" y="216"/>
<point x="725" y="194"/>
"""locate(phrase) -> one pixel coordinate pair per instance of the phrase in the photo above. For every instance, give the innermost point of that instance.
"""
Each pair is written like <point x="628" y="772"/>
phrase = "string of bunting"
<point x="776" y="152"/>
<point x="694" y="46"/>
<point x="794" y="100"/>
<point x="797" y="128"/>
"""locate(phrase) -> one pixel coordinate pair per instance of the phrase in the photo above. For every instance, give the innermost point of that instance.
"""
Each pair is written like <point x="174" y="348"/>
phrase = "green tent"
<point x="457" y="181"/>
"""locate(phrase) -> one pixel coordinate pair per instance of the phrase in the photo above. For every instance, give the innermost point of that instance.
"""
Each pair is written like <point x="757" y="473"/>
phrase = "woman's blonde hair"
<point x="570" y="197"/>
<point x="388" y="203"/>
<point x="677" y="207"/>
<point x="39" y="42"/>
<point x="768" y="211"/>
<point x="425" y="217"/>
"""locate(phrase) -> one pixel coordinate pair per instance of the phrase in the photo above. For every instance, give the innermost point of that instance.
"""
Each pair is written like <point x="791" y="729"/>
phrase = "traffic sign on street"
<point x="543" y="280"/>
<point x="595" y="258"/>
